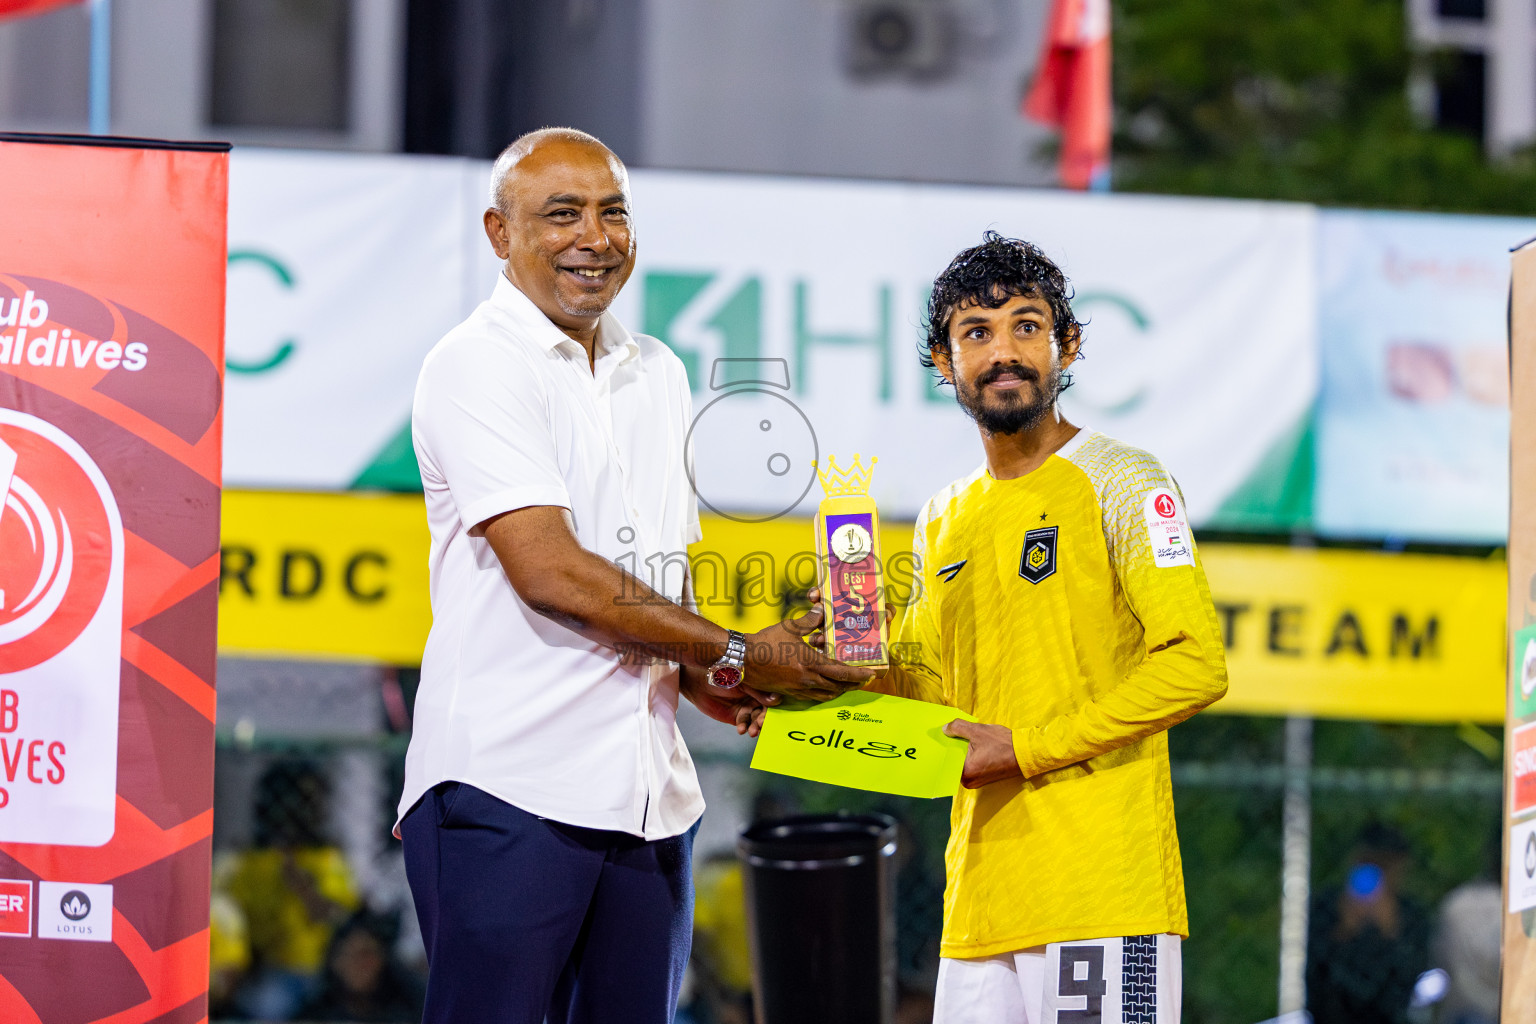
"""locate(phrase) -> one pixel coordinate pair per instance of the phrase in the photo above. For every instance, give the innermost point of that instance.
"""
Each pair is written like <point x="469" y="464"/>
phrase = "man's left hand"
<point x="990" y="757"/>
<point x="739" y="707"/>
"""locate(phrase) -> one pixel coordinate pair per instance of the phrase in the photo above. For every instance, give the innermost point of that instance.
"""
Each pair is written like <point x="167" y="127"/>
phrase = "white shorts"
<point x="1134" y="980"/>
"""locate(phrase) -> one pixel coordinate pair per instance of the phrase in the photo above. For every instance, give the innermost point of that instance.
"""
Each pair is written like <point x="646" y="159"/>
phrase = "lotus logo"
<point x="75" y="905"/>
<point x="844" y="715"/>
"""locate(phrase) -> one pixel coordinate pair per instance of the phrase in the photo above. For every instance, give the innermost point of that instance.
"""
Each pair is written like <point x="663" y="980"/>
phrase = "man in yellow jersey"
<point x="1063" y="605"/>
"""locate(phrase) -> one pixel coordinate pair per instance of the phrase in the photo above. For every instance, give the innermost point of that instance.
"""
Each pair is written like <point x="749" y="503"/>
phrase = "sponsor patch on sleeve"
<point x="1168" y="530"/>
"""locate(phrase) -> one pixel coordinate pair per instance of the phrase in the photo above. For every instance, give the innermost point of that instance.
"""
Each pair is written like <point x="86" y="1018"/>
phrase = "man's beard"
<point x="1009" y="412"/>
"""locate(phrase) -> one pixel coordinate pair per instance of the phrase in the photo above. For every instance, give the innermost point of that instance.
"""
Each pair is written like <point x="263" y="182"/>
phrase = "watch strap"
<point x="735" y="649"/>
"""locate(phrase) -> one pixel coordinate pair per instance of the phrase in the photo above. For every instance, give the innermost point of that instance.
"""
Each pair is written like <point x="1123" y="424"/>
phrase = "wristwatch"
<point x="729" y="671"/>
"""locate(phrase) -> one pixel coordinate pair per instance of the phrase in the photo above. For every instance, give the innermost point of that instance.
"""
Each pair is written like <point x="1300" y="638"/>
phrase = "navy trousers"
<point x="527" y="919"/>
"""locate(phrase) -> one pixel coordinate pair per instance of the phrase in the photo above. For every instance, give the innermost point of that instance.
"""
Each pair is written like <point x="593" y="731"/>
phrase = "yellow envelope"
<point x="866" y="741"/>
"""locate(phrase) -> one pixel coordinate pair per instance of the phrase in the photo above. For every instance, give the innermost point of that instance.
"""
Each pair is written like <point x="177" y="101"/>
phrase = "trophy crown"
<point x="854" y="480"/>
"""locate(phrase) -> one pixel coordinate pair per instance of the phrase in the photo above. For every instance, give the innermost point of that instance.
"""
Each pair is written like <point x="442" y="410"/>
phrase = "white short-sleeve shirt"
<point x="508" y="414"/>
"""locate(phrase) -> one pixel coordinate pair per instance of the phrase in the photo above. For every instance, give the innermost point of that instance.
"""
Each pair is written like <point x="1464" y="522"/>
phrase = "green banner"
<point x="1522" y="685"/>
<point x="866" y="741"/>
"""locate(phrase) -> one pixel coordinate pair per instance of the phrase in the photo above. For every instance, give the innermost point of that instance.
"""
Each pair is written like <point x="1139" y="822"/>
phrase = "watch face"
<point x="851" y="543"/>
<point x="727" y="677"/>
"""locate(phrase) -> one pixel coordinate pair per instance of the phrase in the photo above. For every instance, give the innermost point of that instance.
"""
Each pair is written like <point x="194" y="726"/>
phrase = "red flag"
<point x="1071" y="89"/>
<point x="9" y="8"/>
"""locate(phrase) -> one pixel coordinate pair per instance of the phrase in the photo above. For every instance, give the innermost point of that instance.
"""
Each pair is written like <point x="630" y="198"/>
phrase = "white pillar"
<point x="357" y="804"/>
<point x="378" y="75"/>
<point x="101" y="67"/>
<point x="1511" y="90"/>
<point x="1295" y="864"/>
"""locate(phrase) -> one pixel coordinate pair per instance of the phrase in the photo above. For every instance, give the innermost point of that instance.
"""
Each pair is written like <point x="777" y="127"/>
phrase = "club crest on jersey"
<point x="1039" y="558"/>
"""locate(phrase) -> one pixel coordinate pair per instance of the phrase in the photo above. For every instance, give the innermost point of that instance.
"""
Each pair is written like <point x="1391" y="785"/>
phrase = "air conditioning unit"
<point x="911" y="38"/>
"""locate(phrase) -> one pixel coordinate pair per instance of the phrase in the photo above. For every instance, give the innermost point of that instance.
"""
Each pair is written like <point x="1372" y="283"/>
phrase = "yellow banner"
<point x="324" y="576"/>
<point x="1360" y="634"/>
<point x="1342" y="634"/>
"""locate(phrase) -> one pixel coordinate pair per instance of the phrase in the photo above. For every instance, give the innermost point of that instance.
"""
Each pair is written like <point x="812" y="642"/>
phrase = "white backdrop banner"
<point x="797" y="305"/>
<point x="1200" y="345"/>
<point x="1413" y="419"/>
<point x="343" y="272"/>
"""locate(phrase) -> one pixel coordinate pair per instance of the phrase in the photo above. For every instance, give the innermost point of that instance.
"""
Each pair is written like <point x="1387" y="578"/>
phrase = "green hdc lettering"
<point x="737" y="321"/>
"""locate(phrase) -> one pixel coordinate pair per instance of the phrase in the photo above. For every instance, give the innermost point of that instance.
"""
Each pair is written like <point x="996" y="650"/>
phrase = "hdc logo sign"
<point x="61" y="617"/>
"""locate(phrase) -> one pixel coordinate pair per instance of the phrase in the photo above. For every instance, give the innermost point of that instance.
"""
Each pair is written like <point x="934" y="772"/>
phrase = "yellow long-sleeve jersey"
<point x="1069" y="605"/>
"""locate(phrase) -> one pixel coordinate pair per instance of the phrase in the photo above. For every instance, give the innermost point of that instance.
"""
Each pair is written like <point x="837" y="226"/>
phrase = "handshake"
<point x="780" y="665"/>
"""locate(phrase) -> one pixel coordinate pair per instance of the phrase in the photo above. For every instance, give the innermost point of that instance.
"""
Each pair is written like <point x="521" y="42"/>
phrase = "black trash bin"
<point x="821" y="913"/>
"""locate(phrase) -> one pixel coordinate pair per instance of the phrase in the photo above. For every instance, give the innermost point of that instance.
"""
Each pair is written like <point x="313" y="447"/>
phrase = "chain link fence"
<point x="311" y="887"/>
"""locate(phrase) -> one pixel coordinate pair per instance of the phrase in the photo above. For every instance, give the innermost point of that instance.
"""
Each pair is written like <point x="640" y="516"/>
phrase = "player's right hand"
<point x="990" y="757"/>
<point x="780" y="661"/>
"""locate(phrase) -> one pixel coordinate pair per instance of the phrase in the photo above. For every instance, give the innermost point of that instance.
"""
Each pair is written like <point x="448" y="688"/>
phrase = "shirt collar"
<point x="613" y="340"/>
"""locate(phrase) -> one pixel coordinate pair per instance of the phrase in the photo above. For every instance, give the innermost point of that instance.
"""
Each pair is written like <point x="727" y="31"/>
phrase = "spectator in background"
<point x="1467" y="948"/>
<point x="722" y="959"/>
<point x="363" y="982"/>
<point x="229" y="952"/>
<point x="1368" y="941"/>
<point x="294" y="889"/>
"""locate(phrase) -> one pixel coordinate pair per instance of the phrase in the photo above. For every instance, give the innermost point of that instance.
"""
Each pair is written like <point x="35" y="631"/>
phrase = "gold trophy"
<point x="850" y="570"/>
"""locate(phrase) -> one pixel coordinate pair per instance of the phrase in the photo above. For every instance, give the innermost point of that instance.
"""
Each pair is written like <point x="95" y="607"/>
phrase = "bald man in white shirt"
<point x="550" y="802"/>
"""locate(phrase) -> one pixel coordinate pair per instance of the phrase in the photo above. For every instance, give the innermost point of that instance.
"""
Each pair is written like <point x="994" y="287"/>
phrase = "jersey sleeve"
<point x="1159" y="573"/>
<point x="480" y="420"/>
<point x="915" y="666"/>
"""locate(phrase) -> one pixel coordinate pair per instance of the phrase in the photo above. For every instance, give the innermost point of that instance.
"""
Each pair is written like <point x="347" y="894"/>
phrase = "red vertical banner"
<point x="112" y="256"/>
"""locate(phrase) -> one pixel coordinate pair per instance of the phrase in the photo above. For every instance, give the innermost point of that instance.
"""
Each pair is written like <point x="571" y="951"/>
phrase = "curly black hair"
<point x="989" y="275"/>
